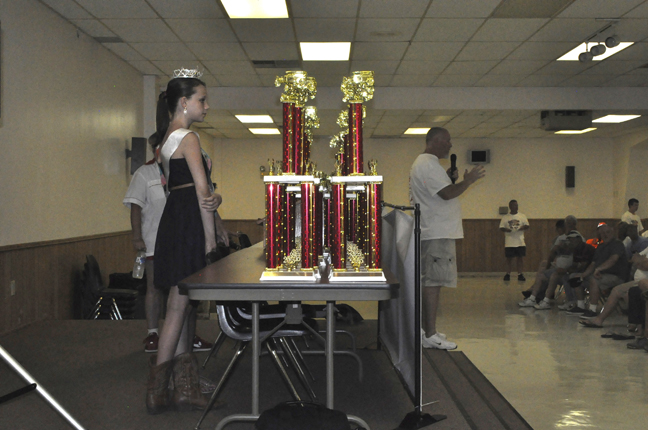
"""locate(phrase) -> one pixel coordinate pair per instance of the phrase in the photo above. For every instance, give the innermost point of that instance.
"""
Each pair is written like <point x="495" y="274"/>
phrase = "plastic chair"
<point x="113" y="302"/>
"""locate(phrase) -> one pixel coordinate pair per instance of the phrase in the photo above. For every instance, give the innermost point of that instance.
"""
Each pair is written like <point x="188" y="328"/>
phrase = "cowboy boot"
<point x="187" y="395"/>
<point x="157" y="389"/>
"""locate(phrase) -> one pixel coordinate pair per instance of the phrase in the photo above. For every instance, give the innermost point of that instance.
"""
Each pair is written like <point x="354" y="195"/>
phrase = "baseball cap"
<point x="601" y="224"/>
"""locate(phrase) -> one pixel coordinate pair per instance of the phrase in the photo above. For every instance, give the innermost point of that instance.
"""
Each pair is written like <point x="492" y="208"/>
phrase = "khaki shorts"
<point x="608" y="281"/>
<point x="438" y="263"/>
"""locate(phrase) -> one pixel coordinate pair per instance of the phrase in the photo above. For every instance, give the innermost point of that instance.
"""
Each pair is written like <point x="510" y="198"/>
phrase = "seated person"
<point x="633" y="242"/>
<point x="620" y="292"/>
<point x="608" y="269"/>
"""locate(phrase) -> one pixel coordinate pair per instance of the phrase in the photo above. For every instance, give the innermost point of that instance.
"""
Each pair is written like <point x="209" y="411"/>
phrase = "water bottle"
<point x="138" y="268"/>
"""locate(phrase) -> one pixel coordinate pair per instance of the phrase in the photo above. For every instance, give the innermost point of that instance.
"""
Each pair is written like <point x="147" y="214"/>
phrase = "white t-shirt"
<point x="632" y="219"/>
<point x="146" y="191"/>
<point x="641" y="274"/>
<point x="440" y="219"/>
<point x="515" y="237"/>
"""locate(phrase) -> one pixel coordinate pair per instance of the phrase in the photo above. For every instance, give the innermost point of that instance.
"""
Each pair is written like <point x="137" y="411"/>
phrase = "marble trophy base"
<point x="283" y="275"/>
<point x="350" y="275"/>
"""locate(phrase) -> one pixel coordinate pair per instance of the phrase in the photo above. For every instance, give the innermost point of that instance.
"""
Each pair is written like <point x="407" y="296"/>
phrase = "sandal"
<point x="622" y="336"/>
<point x="608" y="335"/>
<point x="589" y="324"/>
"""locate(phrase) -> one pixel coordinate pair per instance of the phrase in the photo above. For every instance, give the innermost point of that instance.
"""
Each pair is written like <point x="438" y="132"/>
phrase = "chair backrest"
<point x="92" y="275"/>
<point x="244" y="240"/>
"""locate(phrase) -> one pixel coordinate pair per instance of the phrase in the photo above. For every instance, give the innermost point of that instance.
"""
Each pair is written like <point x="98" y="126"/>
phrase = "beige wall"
<point x="529" y="170"/>
<point x="69" y="109"/>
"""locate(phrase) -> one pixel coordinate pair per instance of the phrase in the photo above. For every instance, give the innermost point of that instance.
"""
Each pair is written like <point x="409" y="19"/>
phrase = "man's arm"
<point x="455" y="190"/>
<point x="136" y="226"/>
<point x="606" y="264"/>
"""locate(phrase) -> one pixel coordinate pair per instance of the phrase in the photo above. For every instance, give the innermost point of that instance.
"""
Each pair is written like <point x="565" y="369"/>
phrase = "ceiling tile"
<point x="462" y="9"/>
<point x="378" y="51"/>
<point x="383" y="80"/>
<point x="640" y="11"/>
<point x="501" y="30"/>
<point x="187" y="9"/>
<point x="447" y="30"/>
<point x="631" y="30"/>
<point x="210" y="80"/>
<point x="384" y="67"/>
<point x="118" y="8"/>
<point x="491" y="80"/>
<point x="324" y="9"/>
<point x="541" y="50"/>
<point x="218" y="51"/>
<point x="586" y="81"/>
<point x="563" y="68"/>
<point x="202" y="30"/>
<point x="486" y="51"/>
<point x="507" y="132"/>
<point x="421" y="67"/>
<point x="412" y="80"/>
<point x="386" y="30"/>
<point x="316" y="68"/>
<point x="267" y="80"/>
<point x="393" y="8"/>
<point x="68" y="9"/>
<point x="141" y="30"/>
<point x="146" y="67"/>
<point x="168" y="67"/>
<point x="263" y="30"/>
<point x="329" y="80"/>
<point x="124" y="51"/>
<point x="456" y="80"/>
<point x="93" y="28"/>
<point x="628" y="81"/>
<point x="541" y="81"/>
<point x="324" y="30"/>
<point x="469" y="67"/>
<point x="519" y="67"/>
<point x="239" y="80"/>
<point x="271" y="51"/>
<point x="530" y="8"/>
<point x="230" y="67"/>
<point x="606" y="67"/>
<point x="566" y="30"/>
<point x="444" y="51"/>
<point x="599" y="8"/>
<point x="164" y="51"/>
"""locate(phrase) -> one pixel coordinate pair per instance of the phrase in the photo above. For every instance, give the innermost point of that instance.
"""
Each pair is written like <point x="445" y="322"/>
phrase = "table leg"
<point x="330" y="349"/>
<point x="255" y="358"/>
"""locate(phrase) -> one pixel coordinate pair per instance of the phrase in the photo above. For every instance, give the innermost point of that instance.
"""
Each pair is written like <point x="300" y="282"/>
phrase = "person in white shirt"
<point x="431" y="186"/>
<point x="514" y="224"/>
<point x="631" y="217"/>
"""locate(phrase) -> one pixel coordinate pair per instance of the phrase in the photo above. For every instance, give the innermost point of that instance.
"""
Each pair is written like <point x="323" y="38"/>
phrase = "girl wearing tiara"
<point x="185" y="235"/>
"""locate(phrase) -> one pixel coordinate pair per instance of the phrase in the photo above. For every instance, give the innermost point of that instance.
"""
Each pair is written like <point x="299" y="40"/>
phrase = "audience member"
<point x="514" y="225"/>
<point x="631" y="217"/>
<point x="546" y="264"/>
<point x="633" y="242"/>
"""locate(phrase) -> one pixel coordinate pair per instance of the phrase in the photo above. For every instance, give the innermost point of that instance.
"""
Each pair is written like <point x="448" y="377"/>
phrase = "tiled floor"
<point x="557" y="374"/>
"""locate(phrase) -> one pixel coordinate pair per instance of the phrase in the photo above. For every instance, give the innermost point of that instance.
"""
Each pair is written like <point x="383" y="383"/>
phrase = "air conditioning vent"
<point x="555" y="120"/>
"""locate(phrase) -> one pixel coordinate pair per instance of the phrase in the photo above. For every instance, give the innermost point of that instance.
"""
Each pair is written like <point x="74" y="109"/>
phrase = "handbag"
<point x="302" y="416"/>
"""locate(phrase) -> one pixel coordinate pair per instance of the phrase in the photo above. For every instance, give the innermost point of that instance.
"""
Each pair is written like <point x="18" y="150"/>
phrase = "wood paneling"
<point x="46" y="273"/>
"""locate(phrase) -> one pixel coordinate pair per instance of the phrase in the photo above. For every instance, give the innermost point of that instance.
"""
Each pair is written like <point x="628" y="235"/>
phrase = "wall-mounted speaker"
<point x="570" y="176"/>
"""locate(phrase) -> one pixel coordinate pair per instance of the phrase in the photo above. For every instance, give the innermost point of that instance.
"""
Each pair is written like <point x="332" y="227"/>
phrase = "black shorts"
<point x="519" y="251"/>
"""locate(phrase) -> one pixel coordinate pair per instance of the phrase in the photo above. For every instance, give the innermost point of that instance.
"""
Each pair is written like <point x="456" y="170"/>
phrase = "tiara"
<point x="187" y="73"/>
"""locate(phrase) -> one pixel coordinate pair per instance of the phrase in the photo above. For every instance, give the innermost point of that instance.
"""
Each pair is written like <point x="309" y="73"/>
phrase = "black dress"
<point x="180" y="242"/>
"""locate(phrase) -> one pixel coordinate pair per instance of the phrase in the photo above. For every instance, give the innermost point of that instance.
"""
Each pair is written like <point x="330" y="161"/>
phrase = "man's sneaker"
<point x="575" y="311"/>
<point x="507" y="277"/>
<point x="566" y="306"/>
<point x="436" y="342"/>
<point x="200" y="344"/>
<point x="151" y="342"/>
<point x="589" y="314"/>
<point x="542" y="306"/>
<point x="527" y="303"/>
<point x="441" y="335"/>
<point x="521" y="277"/>
<point x="526" y="293"/>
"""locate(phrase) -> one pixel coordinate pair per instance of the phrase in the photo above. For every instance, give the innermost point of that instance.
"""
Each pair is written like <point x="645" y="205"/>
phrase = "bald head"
<point x="437" y="142"/>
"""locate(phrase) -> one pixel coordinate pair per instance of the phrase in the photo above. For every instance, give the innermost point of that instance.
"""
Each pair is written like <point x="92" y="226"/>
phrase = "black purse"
<point x="302" y="416"/>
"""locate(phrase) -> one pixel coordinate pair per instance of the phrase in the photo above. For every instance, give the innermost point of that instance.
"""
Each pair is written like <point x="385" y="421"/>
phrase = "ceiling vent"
<point x="276" y="64"/>
<point x="555" y="120"/>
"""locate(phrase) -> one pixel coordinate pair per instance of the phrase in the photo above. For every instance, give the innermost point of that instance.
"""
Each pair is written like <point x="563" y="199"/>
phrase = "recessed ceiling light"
<point x="413" y="130"/>
<point x="583" y="47"/>
<point x="615" y="119"/>
<point x="255" y="9"/>
<point x="254" y="119"/>
<point x="587" y="130"/>
<point x="325" y="51"/>
<point x="265" y="131"/>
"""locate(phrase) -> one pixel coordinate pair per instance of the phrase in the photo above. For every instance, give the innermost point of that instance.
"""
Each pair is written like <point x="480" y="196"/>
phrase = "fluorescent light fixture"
<point x="265" y="131"/>
<point x="417" y="130"/>
<point x="255" y="9"/>
<point x="615" y="119"/>
<point x="587" y="130"/>
<point x="574" y="53"/>
<point x="254" y="119"/>
<point x="325" y="51"/>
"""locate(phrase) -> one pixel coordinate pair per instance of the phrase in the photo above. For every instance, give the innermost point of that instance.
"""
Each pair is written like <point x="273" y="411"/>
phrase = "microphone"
<point x="453" y="167"/>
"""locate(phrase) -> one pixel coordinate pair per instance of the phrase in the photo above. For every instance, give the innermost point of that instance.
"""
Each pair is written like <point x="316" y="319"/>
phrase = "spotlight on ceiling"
<point x="611" y="42"/>
<point x="598" y="50"/>
<point x="585" y="57"/>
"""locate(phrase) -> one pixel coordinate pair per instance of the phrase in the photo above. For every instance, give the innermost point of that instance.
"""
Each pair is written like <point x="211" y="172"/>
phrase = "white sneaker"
<point x="527" y="303"/>
<point x="566" y="306"/>
<point x="436" y="342"/>
<point x="441" y="335"/>
<point x="542" y="306"/>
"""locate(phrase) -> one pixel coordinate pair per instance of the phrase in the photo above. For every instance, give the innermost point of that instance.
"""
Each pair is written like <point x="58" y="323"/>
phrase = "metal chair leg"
<point x="301" y="358"/>
<point x="217" y="344"/>
<point x="282" y="369"/>
<point x="300" y="373"/>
